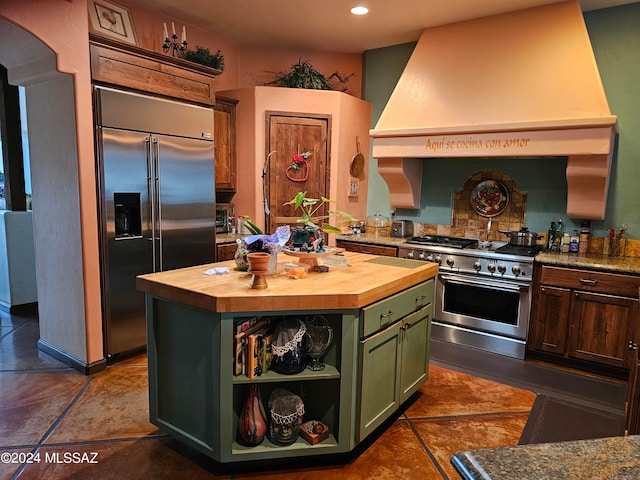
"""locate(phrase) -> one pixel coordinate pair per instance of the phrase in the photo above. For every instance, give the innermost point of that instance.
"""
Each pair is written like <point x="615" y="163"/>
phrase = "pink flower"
<point x="298" y="159"/>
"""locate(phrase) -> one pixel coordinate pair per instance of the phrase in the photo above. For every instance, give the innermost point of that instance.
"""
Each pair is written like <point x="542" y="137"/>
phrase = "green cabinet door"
<point x="380" y="377"/>
<point x="394" y="365"/>
<point x="415" y="351"/>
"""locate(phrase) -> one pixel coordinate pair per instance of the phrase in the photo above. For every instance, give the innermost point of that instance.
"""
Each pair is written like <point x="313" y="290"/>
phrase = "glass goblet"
<point x="319" y="337"/>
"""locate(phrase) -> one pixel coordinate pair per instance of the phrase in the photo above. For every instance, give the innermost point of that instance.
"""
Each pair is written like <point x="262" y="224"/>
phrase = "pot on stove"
<point x="523" y="238"/>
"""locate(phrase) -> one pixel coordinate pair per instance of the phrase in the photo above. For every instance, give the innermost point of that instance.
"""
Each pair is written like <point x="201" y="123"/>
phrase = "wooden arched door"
<point x="290" y="135"/>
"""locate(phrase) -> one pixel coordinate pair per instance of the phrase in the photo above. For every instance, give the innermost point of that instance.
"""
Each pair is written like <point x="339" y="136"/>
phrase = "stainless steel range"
<point x="483" y="295"/>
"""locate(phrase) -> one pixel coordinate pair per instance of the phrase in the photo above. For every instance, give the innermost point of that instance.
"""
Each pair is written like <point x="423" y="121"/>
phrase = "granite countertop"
<point x="629" y="265"/>
<point x="222" y="238"/>
<point x="605" y="263"/>
<point x="614" y="458"/>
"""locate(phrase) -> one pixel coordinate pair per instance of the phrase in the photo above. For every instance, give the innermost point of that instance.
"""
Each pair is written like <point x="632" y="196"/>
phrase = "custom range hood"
<point x="518" y="84"/>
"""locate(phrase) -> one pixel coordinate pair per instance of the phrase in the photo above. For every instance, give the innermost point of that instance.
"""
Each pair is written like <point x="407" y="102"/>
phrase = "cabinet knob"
<point x="633" y="345"/>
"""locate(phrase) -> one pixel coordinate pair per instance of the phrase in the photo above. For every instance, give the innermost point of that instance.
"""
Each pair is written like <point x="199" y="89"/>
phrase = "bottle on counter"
<point x="551" y="236"/>
<point x="557" y="241"/>
<point x="585" y="232"/>
<point x="564" y="246"/>
<point x="574" y="242"/>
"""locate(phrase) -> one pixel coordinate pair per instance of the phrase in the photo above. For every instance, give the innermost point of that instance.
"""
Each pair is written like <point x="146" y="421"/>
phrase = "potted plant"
<point x="309" y="208"/>
<point x="203" y="56"/>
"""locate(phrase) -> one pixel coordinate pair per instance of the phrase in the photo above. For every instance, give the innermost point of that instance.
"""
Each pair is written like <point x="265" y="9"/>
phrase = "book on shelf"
<point x="254" y="354"/>
<point x="266" y="351"/>
<point x="242" y="348"/>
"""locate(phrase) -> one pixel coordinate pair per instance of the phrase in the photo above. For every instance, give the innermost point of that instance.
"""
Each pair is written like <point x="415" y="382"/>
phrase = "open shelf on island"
<point x="329" y="372"/>
<point x="267" y="447"/>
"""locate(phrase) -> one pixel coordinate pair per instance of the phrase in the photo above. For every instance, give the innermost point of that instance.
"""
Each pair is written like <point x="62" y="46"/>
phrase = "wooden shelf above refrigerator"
<point x="113" y="63"/>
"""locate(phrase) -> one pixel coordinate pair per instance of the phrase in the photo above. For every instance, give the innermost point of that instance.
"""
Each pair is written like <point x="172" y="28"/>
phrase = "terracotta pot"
<point x="258" y="261"/>
<point x="253" y="419"/>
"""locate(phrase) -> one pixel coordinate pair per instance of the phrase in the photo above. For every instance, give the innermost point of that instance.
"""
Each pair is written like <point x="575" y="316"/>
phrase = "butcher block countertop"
<point x="367" y="279"/>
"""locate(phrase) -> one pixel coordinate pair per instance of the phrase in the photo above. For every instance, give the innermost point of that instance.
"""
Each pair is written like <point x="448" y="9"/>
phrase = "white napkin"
<point x="217" y="271"/>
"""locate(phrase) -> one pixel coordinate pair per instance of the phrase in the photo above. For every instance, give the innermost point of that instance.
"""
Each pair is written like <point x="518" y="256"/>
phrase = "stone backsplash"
<point x="465" y="222"/>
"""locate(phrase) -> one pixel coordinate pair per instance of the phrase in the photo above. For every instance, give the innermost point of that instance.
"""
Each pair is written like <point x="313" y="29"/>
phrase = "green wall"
<point x="615" y="37"/>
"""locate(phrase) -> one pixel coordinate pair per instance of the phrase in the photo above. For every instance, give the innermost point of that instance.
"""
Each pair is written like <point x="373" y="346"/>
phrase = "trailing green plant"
<point x="304" y="75"/>
<point x="203" y="56"/>
<point x="310" y="206"/>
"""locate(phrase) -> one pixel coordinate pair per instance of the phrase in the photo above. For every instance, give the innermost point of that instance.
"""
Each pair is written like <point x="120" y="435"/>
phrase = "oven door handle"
<point x="492" y="283"/>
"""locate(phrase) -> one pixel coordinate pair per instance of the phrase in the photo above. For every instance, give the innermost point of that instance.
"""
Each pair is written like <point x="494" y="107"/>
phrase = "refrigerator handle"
<point x="158" y="219"/>
<point x="152" y="196"/>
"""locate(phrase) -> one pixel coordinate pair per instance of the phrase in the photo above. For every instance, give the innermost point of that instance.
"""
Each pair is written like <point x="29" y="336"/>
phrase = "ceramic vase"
<point x="240" y="257"/>
<point x="253" y="420"/>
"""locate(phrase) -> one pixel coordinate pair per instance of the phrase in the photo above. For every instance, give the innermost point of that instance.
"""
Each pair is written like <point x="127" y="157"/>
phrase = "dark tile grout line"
<point x="426" y="448"/>
<point x="469" y="415"/>
<point x="40" y="445"/>
<point x="411" y="420"/>
<point x="55" y="424"/>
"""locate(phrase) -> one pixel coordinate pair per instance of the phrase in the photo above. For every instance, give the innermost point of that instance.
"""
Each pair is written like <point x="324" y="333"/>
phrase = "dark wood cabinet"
<point x="601" y="328"/>
<point x="113" y="63"/>
<point x="585" y="315"/>
<point x="225" y="251"/>
<point x="632" y="407"/>
<point x="224" y="127"/>
<point x="551" y="324"/>
<point x="369" y="248"/>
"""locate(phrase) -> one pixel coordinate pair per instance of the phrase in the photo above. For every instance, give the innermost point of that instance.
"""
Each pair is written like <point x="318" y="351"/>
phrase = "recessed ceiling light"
<point x="359" y="10"/>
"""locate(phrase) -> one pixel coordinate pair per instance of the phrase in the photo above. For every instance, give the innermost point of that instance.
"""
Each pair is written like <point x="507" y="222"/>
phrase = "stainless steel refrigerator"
<point x="157" y="207"/>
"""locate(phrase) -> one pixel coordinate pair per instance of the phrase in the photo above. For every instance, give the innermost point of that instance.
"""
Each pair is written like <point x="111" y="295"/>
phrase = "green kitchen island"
<point x="380" y="309"/>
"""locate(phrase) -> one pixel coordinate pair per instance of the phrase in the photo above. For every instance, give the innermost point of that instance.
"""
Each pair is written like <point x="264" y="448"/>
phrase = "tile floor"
<point x="49" y="409"/>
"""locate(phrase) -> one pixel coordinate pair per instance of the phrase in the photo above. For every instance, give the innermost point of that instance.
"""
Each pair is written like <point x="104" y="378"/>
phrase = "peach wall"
<point x="244" y="65"/>
<point x="62" y="26"/>
<point x="349" y="117"/>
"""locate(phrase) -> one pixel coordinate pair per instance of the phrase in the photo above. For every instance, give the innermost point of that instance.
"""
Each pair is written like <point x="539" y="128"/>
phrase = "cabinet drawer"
<point x="368" y="248"/>
<point x="385" y="312"/>
<point x="611" y="283"/>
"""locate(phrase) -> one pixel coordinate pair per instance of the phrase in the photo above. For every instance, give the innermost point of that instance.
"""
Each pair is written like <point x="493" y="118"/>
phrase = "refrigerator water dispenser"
<point x="127" y="215"/>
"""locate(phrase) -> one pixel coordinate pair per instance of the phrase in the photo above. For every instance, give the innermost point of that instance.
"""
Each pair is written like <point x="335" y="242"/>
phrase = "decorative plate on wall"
<point x="489" y="198"/>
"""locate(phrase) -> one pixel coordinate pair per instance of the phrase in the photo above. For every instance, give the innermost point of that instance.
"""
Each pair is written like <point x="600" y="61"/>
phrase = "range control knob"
<point x="491" y="267"/>
<point x="477" y="266"/>
<point x="410" y="255"/>
<point x="429" y="258"/>
<point x="450" y="261"/>
<point x="516" y="270"/>
<point x="421" y="256"/>
<point x="502" y="268"/>
<point x="438" y="260"/>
